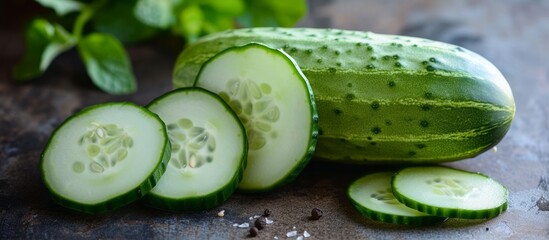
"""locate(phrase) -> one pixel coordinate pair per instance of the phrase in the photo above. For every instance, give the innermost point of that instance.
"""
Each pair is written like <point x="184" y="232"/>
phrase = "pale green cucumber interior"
<point x="272" y="99"/>
<point x="103" y="153"/>
<point x="207" y="140"/>
<point x="443" y="187"/>
<point x="374" y="192"/>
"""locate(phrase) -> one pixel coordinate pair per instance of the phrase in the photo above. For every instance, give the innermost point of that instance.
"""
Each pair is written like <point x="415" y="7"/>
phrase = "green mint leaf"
<point x="273" y="13"/>
<point x="116" y="18"/>
<point x="44" y="41"/>
<point x="107" y="63"/>
<point x="62" y="7"/>
<point x="200" y="17"/>
<point x="225" y="7"/>
<point x="156" y="13"/>
<point x="191" y="20"/>
<point x="216" y="22"/>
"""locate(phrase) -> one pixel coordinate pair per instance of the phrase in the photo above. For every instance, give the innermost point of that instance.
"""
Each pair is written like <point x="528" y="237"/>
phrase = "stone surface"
<point x="512" y="34"/>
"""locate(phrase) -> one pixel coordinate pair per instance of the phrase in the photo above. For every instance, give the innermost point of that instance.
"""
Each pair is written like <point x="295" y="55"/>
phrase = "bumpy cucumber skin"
<point x="390" y="218"/>
<point x="214" y="198"/>
<point x="384" y="98"/>
<point x="447" y="212"/>
<point x="313" y="137"/>
<point x="123" y="199"/>
<point x="396" y="219"/>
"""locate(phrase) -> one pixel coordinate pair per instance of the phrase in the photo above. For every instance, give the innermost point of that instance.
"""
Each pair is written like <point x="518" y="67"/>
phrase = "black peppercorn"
<point x="260" y="223"/>
<point x="267" y="212"/>
<point x="253" y="231"/>
<point x="316" y="214"/>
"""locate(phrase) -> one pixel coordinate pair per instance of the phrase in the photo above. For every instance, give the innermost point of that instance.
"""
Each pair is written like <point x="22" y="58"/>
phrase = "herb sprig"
<point x="114" y="22"/>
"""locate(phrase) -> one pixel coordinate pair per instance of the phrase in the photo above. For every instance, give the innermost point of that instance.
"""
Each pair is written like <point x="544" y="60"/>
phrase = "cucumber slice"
<point x="372" y="197"/>
<point x="448" y="192"/>
<point x="275" y="102"/>
<point x="105" y="156"/>
<point x="209" y="151"/>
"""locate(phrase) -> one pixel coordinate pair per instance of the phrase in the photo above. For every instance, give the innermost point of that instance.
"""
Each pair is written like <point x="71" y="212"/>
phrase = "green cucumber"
<point x="373" y="197"/>
<point x="275" y="103"/>
<point x="105" y="157"/>
<point x="448" y="192"/>
<point x="383" y="98"/>
<point x="209" y="150"/>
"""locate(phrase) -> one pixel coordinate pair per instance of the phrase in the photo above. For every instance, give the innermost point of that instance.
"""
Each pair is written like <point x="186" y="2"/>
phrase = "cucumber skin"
<point x="383" y="98"/>
<point x="199" y="203"/>
<point x="386" y="218"/>
<point x="124" y="199"/>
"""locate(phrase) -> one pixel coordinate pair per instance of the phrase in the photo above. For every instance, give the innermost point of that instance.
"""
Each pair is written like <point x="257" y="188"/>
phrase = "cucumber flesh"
<point x="208" y="155"/>
<point x="275" y="102"/>
<point x="105" y="156"/>
<point x="448" y="192"/>
<point x="372" y="196"/>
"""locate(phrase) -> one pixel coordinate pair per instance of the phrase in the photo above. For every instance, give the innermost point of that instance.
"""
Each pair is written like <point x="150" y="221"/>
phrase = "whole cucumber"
<point x="383" y="98"/>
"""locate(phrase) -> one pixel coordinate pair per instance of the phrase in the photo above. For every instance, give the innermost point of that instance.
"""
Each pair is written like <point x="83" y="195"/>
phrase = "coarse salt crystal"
<point x="495" y="149"/>
<point x="293" y="227"/>
<point x="268" y="221"/>
<point x="244" y="225"/>
<point x="275" y="237"/>
<point x="257" y="216"/>
<point x="251" y="218"/>
<point x="291" y="234"/>
<point x="299" y="238"/>
<point x="221" y="213"/>
<point x="306" y="234"/>
<point x="235" y="225"/>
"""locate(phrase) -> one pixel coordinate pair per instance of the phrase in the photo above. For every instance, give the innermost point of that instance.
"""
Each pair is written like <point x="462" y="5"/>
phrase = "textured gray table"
<point x="512" y="34"/>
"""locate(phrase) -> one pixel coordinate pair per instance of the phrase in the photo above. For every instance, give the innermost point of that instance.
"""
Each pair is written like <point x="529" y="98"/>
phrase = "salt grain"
<point x="235" y="225"/>
<point x="244" y="225"/>
<point x="257" y="216"/>
<point x="291" y="234"/>
<point x="221" y="213"/>
<point x="251" y="218"/>
<point x="495" y="149"/>
<point x="275" y="237"/>
<point x="306" y="234"/>
<point x="299" y="238"/>
<point x="268" y="221"/>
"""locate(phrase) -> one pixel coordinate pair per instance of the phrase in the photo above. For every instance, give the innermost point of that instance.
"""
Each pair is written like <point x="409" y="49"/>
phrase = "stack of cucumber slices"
<point x="426" y="195"/>
<point x="191" y="148"/>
